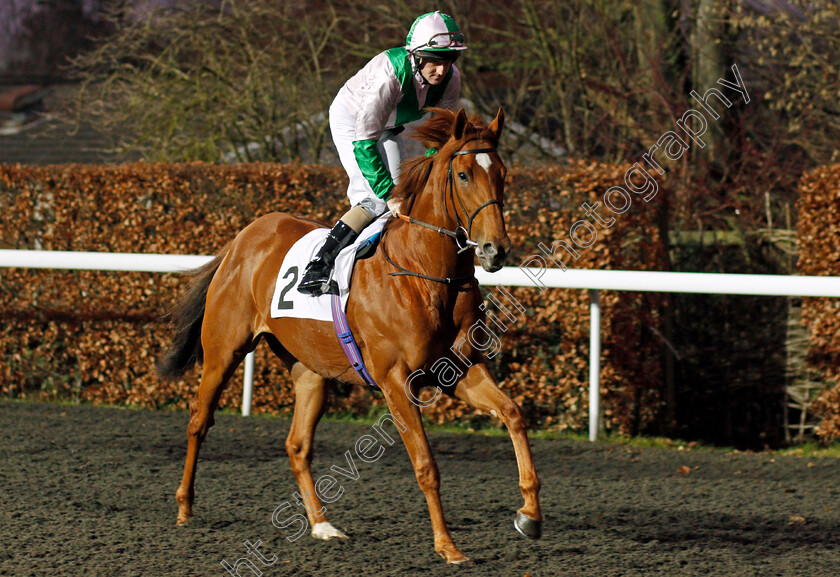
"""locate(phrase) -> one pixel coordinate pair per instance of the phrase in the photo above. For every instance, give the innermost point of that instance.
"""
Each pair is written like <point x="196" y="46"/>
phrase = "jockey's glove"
<point x="394" y="206"/>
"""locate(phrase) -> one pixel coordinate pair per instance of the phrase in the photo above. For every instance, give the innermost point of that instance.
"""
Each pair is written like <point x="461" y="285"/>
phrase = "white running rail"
<point x="592" y="280"/>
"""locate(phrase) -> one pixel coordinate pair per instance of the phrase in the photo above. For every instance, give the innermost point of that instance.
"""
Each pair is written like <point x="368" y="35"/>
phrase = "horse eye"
<point x="463" y="176"/>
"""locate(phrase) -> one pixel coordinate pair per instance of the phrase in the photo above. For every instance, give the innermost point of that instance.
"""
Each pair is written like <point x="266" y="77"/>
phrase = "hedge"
<point x="95" y="336"/>
<point x="819" y="254"/>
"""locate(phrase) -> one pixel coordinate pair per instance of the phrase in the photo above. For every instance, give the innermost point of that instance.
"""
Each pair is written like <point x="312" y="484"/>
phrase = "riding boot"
<point x="316" y="277"/>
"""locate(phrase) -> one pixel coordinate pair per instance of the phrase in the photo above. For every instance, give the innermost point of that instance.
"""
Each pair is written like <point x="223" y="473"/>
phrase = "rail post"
<point x="248" y="385"/>
<point x="594" y="364"/>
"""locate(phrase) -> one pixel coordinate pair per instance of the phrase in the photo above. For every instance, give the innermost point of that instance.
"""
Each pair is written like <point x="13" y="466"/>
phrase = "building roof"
<point x="32" y="132"/>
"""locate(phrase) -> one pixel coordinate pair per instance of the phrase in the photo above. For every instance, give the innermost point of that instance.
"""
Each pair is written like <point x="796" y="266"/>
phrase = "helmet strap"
<point x="416" y="64"/>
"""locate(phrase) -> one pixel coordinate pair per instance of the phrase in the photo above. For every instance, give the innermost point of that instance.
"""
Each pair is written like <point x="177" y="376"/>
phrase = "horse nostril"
<point x="489" y="250"/>
<point x="503" y="250"/>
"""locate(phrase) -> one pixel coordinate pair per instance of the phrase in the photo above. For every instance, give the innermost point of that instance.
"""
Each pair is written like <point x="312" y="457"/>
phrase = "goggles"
<point x="444" y="40"/>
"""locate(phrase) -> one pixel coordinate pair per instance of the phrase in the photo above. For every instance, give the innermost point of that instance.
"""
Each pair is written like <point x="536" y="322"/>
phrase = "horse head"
<point x="466" y="180"/>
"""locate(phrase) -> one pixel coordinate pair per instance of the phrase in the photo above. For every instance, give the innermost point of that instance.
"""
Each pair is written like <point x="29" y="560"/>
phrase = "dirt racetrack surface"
<point x="90" y="491"/>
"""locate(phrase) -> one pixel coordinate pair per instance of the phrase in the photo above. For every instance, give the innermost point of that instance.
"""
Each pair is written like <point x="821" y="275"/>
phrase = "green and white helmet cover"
<point x="435" y="35"/>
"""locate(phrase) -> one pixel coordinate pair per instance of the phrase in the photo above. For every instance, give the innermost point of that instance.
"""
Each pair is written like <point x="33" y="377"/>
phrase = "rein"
<point x="461" y="235"/>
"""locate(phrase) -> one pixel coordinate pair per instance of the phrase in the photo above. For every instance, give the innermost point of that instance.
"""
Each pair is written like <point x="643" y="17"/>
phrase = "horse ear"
<point x="498" y="123"/>
<point x="459" y="125"/>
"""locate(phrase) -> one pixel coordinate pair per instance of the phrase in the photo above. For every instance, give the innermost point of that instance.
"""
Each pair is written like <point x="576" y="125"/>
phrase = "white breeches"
<point x="391" y="149"/>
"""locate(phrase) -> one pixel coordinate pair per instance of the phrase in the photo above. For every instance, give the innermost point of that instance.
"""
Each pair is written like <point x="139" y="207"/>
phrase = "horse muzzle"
<point x="493" y="255"/>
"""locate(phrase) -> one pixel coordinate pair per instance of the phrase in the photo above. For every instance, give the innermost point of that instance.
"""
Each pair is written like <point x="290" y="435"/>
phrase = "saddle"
<point x="368" y="248"/>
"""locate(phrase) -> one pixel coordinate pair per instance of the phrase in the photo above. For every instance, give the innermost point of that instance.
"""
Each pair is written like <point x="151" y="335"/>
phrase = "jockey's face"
<point x="434" y="71"/>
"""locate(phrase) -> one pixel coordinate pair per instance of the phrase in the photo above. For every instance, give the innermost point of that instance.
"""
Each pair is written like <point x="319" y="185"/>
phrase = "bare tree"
<point x="37" y="37"/>
<point x="795" y="51"/>
<point x="242" y="80"/>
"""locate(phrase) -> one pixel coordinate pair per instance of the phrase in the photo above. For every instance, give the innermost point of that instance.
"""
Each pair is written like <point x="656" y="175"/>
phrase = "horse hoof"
<point x="326" y="531"/>
<point x="454" y="558"/>
<point x="527" y="526"/>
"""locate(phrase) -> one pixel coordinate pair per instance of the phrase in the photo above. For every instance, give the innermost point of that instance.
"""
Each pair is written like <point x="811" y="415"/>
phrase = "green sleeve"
<point x="372" y="167"/>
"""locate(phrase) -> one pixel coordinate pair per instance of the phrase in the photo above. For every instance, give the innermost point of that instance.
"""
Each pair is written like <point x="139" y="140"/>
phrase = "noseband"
<point x="461" y="235"/>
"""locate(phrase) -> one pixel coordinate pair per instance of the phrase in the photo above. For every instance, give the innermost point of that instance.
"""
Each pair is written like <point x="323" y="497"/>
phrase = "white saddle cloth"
<point x="288" y="302"/>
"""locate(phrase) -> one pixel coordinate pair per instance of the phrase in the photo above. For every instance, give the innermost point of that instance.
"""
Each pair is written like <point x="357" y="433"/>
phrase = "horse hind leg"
<point x="224" y="349"/>
<point x="310" y="402"/>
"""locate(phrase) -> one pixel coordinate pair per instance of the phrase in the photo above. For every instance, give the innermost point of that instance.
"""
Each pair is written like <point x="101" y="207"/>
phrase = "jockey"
<point x="367" y="117"/>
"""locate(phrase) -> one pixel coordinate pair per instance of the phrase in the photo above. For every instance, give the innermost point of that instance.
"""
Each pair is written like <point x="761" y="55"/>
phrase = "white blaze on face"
<point x="484" y="161"/>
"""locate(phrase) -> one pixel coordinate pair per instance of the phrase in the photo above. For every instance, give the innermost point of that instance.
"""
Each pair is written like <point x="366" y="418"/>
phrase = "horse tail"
<point x="187" y="316"/>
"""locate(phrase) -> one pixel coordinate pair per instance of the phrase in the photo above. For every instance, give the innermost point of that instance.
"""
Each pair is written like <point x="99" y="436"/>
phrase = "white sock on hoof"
<point x="326" y="531"/>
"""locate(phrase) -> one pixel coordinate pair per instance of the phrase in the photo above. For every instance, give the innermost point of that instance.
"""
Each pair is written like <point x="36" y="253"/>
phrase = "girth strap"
<point x="348" y="343"/>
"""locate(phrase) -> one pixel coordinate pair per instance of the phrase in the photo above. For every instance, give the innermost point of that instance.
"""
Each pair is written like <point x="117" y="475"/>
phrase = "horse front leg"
<point x="478" y="389"/>
<point x="425" y="468"/>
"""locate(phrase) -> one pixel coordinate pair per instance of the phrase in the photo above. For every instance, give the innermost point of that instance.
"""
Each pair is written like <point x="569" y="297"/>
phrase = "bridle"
<point x="450" y="182"/>
<point x="461" y="235"/>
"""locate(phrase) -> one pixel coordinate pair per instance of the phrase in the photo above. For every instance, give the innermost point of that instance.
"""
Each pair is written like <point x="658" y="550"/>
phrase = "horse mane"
<point x="435" y="133"/>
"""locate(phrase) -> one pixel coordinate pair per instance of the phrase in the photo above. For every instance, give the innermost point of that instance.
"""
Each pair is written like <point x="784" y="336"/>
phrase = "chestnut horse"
<point x="401" y="323"/>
